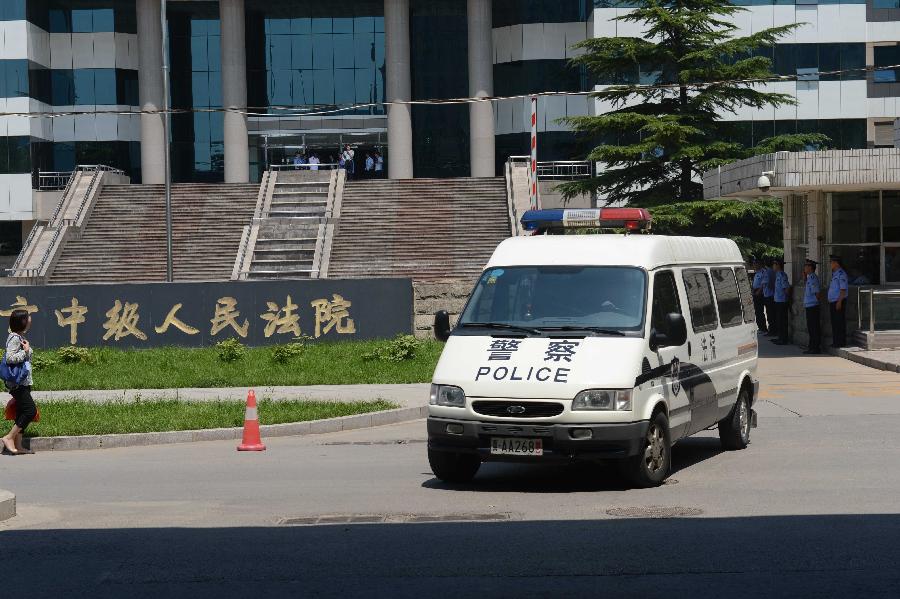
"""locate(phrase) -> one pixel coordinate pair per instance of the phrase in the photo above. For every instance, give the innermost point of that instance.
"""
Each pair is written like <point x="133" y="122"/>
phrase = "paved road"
<point x="811" y="507"/>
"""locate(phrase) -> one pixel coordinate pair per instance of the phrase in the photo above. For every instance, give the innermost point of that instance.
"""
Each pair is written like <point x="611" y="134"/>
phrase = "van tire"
<point x="453" y="467"/>
<point x="652" y="465"/>
<point x="734" y="430"/>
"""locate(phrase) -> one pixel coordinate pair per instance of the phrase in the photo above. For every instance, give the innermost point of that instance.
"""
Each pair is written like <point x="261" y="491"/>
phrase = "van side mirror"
<point x="674" y="335"/>
<point x="441" y="325"/>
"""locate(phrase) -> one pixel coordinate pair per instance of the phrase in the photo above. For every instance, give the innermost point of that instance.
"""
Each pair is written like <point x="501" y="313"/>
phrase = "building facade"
<point x="73" y="70"/>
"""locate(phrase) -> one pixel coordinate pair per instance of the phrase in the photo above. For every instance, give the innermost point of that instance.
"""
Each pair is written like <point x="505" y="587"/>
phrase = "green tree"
<point x="659" y="138"/>
<point x="754" y="225"/>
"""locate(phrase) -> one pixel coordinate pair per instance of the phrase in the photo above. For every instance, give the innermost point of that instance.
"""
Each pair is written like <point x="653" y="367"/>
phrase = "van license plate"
<point x="526" y="447"/>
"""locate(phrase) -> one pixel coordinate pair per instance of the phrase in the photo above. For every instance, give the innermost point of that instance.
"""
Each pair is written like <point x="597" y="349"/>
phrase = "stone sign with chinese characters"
<point x="200" y="314"/>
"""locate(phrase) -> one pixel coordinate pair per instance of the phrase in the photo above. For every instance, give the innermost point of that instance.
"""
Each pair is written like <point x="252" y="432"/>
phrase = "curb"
<point x="311" y="427"/>
<point x="864" y="360"/>
<point x="7" y="505"/>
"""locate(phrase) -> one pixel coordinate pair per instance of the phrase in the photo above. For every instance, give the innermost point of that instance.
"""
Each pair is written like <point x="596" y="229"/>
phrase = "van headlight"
<point x="447" y="395"/>
<point x="603" y="399"/>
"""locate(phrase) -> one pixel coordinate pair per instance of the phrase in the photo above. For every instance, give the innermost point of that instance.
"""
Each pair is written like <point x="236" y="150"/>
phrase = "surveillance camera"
<point x="764" y="183"/>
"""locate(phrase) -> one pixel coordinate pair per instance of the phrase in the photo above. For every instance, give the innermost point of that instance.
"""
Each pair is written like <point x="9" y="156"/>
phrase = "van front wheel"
<point x="453" y="467"/>
<point x="734" y="429"/>
<point x="651" y="466"/>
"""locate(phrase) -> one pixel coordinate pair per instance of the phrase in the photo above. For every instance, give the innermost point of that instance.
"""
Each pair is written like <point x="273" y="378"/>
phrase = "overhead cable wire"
<point x="313" y="111"/>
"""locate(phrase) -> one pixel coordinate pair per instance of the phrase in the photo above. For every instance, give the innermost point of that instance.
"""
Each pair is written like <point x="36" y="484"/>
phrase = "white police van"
<point x="595" y="347"/>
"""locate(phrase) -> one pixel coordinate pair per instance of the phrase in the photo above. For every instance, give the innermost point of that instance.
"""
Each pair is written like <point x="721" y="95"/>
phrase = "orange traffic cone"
<point x="251" y="441"/>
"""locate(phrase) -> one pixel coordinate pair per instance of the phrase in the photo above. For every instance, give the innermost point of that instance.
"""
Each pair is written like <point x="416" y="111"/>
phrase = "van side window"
<point x="700" y="299"/>
<point x="727" y="298"/>
<point x="665" y="299"/>
<point x="746" y="295"/>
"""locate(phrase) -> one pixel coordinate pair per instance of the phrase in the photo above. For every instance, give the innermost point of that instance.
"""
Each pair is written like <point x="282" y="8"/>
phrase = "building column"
<point x="150" y="83"/>
<point x="398" y="88"/>
<point x="234" y="90"/>
<point x="481" y="84"/>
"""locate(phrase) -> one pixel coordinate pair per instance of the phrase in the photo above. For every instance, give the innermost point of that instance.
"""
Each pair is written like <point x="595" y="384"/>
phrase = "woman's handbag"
<point x="10" y="412"/>
<point x="15" y="374"/>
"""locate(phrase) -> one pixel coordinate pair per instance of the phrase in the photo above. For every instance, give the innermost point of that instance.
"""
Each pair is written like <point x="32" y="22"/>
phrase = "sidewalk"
<point x="405" y="396"/>
<point x="882" y="359"/>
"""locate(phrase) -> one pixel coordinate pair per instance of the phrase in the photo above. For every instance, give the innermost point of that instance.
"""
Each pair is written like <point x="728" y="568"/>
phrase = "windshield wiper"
<point x="597" y="330"/>
<point x="501" y="325"/>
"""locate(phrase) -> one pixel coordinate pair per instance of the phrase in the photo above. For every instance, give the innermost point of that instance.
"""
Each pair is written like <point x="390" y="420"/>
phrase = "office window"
<point x="700" y="299"/>
<point x="12" y="10"/>
<point x="890" y="216"/>
<point x="886" y="56"/>
<point x="727" y="298"/>
<point x="884" y="134"/>
<point x="515" y="12"/>
<point x="15" y="155"/>
<point x="854" y="218"/>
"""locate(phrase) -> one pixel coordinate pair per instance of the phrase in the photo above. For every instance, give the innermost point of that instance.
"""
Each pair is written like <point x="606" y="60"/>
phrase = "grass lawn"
<point x="166" y="368"/>
<point x="85" y="418"/>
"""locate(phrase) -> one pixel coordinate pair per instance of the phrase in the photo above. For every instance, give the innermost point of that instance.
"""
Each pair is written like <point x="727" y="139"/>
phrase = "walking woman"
<point x="18" y="351"/>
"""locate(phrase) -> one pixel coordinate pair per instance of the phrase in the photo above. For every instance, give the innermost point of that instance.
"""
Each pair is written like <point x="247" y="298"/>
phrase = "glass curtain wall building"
<point x="305" y="62"/>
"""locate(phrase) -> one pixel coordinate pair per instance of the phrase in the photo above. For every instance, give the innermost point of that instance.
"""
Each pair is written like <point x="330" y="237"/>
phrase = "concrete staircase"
<point x="288" y="232"/>
<point x="125" y="238"/>
<point x="427" y="229"/>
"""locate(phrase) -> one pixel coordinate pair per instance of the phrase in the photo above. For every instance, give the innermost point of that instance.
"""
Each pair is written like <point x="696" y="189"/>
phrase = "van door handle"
<point x="689" y="349"/>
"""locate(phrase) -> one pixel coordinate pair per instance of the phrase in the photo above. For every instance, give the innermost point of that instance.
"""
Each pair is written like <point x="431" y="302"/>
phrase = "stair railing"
<point x="62" y="198"/>
<point x="84" y="198"/>
<point x="245" y="250"/>
<point x="25" y="246"/>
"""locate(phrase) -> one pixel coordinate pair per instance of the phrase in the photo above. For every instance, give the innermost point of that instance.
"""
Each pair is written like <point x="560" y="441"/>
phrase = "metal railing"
<point x="557" y="169"/>
<point x="870" y="306"/>
<point x="565" y="170"/>
<point x="59" y="180"/>
<point x="84" y="198"/>
<point x="322" y="166"/>
<point x="28" y="240"/>
<point x="53" y="180"/>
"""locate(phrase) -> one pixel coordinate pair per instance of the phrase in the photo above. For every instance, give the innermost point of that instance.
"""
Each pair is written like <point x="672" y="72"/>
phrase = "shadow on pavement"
<point x="780" y="556"/>
<point x="578" y="477"/>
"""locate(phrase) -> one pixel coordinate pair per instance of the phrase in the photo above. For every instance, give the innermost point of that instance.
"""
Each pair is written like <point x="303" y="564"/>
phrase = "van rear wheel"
<point x="734" y="429"/>
<point x="453" y="467"/>
<point x="651" y="466"/>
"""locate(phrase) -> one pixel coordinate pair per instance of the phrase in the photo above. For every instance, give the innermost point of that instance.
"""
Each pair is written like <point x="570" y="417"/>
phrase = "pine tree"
<point x="661" y="136"/>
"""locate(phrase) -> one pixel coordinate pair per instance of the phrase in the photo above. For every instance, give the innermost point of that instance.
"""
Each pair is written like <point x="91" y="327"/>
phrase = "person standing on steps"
<point x="837" y="296"/>
<point x="812" y="302"/>
<point x="759" y="280"/>
<point x="347" y="158"/>
<point x="780" y="302"/>
<point x="18" y="351"/>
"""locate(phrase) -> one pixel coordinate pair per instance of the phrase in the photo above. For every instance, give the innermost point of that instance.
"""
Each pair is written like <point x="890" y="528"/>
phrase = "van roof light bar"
<point x="544" y="221"/>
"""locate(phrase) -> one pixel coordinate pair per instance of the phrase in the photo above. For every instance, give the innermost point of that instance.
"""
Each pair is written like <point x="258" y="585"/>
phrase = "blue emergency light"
<point x="630" y="219"/>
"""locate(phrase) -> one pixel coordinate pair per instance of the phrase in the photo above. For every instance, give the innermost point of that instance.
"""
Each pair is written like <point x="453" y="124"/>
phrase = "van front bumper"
<point x="608" y="441"/>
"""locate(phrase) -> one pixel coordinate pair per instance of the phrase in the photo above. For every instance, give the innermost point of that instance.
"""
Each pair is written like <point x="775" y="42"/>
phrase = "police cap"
<point x="836" y="258"/>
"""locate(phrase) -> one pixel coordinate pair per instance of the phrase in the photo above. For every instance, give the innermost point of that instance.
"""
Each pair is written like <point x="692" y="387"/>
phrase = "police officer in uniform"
<point x="780" y="301"/>
<point x="837" y="295"/>
<point x="812" y="299"/>
<point x="768" y="293"/>
<point x="760" y="279"/>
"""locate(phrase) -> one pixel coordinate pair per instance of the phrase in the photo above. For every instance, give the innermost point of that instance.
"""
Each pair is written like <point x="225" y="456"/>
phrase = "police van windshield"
<point x="537" y="298"/>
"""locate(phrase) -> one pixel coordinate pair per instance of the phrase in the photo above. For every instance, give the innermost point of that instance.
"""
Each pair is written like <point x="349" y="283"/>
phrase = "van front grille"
<point x="513" y="409"/>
